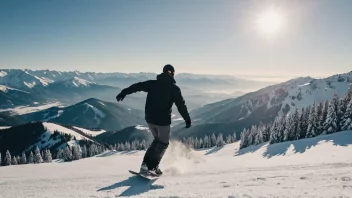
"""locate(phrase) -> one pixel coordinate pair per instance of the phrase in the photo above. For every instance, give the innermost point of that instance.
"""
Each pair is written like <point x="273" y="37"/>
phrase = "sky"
<point x="198" y="36"/>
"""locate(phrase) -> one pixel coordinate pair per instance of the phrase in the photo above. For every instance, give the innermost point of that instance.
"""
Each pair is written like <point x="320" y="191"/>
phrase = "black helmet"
<point x="169" y="69"/>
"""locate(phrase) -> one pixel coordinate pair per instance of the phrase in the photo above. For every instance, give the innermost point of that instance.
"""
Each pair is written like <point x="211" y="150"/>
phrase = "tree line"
<point x="209" y="141"/>
<point x="43" y="156"/>
<point x="324" y="118"/>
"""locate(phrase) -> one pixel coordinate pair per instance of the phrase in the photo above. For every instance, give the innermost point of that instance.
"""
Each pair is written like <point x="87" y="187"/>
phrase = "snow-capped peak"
<point x="81" y="82"/>
<point x="75" y="82"/>
<point x="22" y="79"/>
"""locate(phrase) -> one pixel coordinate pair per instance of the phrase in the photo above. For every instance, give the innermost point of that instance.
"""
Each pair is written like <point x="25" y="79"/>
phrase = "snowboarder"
<point x="162" y="94"/>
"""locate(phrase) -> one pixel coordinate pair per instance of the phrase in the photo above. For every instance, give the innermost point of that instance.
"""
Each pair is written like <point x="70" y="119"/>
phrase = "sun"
<point x="270" y="22"/>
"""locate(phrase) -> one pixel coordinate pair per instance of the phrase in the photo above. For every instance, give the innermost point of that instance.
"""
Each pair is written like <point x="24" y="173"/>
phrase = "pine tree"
<point x="304" y="122"/>
<point x="228" y="139"/>
<point x="220" y="140"/>
<point x="244" y="139"/>
<point x="200" y="142"/>
<point x="14" y="161"/>
<point x="196" y="143"/>
<point x="133" y="146"/>
<point x="332" y="121"/>
<point x="7" y="160"/>
<point x="48" y="157"/>
<point x="295" y="130"/>
<point x="234" y="137"/>
<point x="206" y="142"/>
<point x="44" y="156"/>
<point x="23" y="158"/>
<point x="31" y="158"/>
<point x="67" y="155"/>
<point x="213" y="140"/>
<point x="60" y="154"/>
<point x="324" y="116"/>
<point x="274" y="131"/>
<point x="37" y="156"/>
<point x="288" y="133"/>
<point x="92" y="150"/>
<point x="347" y="118"/>
<point x="312" y="123"/>
<point x="143" y="145"/>
<point x="19" y="160"/>
<point x="319" y="124"/>
<point x="122" y="147"/>
<point x="266" y="132"/>
<point x="259" y="136"/>
<point x="281" y="128"/>
<point x="347" y="97"/>
<point x="252" y="135"/>
<point x="84" y="151"/>
<point x="127" y="146"/>
<point x="76" y="152"/>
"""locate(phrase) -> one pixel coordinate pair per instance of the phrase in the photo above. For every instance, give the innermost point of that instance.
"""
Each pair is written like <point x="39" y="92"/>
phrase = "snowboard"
<point x="149" y="176"/>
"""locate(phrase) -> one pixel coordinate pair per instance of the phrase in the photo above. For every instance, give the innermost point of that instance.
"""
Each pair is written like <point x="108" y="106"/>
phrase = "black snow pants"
<point x="159" y="145"/>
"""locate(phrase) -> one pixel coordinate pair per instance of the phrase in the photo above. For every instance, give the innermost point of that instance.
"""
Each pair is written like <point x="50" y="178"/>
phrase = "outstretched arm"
<point x="141" y="86"/>
<point x="181" y="107"/>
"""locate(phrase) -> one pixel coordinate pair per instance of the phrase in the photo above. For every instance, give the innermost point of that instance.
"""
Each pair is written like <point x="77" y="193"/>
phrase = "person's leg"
<point x="162" y="142"/>
<point x="151" y="149"/>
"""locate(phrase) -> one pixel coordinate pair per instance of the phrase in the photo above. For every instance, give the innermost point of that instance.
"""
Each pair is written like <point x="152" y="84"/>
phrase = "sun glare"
<point x="270" y="22"/>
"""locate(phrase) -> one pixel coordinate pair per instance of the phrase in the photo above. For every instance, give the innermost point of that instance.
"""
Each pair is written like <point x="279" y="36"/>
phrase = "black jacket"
<point x="162" y="94"/>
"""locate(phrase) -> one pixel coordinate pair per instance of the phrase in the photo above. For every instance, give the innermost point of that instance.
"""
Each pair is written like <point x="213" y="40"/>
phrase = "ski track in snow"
<point x="280" y="170"/>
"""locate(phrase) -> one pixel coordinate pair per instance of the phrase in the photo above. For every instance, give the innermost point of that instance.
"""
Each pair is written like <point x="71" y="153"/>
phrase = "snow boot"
<point x="156" y="171"/>
<point x="144" y="168"/>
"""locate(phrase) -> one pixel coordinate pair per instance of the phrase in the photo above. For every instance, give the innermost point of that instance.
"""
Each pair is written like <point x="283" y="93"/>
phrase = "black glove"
<point x="188" y="124"/>
<point x="120" y="97"/>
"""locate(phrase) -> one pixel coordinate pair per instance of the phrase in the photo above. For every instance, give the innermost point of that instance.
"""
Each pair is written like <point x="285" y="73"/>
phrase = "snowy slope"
<point x="318" y="90"/>
<point x="264" y="105"/>
<point x="20" y="110"/>
<point x="22" y="79"/>
<point x="91" y="132"/>
<point x="51" y="127"/>
<point x="317" y="167"/>
<point x="26" y="137"/>
<point x="71" y="83"/>
<point x="10" y="97"/>
<point x="91" y="113"/>
<point x="300" y="92"/>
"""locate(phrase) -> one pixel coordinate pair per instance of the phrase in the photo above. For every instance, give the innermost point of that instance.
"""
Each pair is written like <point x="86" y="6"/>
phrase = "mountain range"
<point x="91" y="113"/>
<point x="264" y="105"/>
<point x="119" y="119"/>
<point x="43" y="86"/>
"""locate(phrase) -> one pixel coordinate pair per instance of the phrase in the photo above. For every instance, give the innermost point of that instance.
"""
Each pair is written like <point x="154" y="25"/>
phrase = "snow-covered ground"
<point x="20" y="110"/>
<point x="51" y="128"/>
<point x="316" y="167"/>
<point x="4" y="127"/>
<point x="90" y="132"/>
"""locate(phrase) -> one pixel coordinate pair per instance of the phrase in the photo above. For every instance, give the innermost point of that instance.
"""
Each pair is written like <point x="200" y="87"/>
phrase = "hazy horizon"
<point x="200" y="37"/>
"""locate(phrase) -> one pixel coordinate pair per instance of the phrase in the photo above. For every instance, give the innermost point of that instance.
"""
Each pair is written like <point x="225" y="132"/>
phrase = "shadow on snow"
<point x="137" y="185"/>
<point x="299" y="146"/>
<point x="110" y="153"/>
<point x="213" y="150"/>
